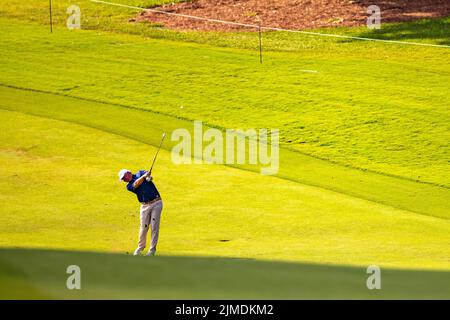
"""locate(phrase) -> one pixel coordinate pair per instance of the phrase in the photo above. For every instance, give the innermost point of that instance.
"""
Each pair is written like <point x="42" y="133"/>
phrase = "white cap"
<point x="122" y="173"/>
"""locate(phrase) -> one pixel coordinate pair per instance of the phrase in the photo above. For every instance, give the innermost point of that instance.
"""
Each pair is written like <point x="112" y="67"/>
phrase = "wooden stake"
<point x="51" y="15"/>
<point x="260" y="42"/>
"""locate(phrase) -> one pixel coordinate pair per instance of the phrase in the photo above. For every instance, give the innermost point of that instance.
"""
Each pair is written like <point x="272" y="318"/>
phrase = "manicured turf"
<point x="68" y="173"/>
<point x="364" y="171"/>
<point x="41" y="274"/>
<point x="371" y="106"/>
<point x="95" y="16"/>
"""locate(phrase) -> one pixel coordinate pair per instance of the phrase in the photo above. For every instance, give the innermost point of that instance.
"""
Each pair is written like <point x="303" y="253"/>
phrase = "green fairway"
<point x="77" y="203"/>
<point x="386" y="113"/>
<point x="364" y="175"/>
<point x="41" y="274"/>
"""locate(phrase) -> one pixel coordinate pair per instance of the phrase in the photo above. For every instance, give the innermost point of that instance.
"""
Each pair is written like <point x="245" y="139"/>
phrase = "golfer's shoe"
<point x="137" y="252"/>
<point x="150" y="253"/>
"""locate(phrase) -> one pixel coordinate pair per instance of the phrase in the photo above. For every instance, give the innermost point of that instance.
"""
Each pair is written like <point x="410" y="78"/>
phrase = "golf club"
<point x="154" y="159"/>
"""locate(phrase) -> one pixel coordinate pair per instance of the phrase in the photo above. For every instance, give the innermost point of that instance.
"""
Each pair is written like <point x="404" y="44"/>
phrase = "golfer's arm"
<point x="138" y="182"/>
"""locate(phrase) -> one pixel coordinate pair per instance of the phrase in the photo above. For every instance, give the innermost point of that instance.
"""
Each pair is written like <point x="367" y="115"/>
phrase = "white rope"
<point x="272" y="28"/>
<point x="176" y="14"/>
<point x="358" y="38"/>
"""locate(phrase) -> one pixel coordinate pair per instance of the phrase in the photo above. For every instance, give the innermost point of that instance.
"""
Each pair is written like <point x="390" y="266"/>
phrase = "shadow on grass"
<point x="40" y="274"/>
<point x="435" y="31"/>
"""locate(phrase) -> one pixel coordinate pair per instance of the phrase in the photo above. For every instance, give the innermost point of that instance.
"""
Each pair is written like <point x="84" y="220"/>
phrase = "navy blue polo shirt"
<point x="146" y="191"/>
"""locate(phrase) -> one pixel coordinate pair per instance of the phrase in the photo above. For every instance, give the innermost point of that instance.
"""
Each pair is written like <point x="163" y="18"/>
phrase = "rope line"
<point x="271" y="28"/>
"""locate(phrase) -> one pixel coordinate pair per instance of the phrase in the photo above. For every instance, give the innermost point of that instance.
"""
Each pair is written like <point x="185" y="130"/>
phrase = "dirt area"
<point x="293" y="14"/>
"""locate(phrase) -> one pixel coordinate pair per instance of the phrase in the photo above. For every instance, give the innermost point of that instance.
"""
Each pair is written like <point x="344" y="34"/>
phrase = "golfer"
<point x="142" y="185"/>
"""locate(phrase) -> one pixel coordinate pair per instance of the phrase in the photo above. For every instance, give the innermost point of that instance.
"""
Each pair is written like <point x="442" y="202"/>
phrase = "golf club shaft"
<point x="154" y="159"/>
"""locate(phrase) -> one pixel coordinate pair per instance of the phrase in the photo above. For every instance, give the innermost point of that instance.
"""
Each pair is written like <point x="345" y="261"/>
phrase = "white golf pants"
<point x="150" y="216"/>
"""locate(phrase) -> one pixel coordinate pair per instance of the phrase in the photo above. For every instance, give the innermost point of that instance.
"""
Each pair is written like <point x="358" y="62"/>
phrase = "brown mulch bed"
<point x="293" y="14"/>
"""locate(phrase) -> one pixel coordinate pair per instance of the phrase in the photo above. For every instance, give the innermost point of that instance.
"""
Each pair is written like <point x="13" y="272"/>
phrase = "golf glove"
<point x="149" y="178"/>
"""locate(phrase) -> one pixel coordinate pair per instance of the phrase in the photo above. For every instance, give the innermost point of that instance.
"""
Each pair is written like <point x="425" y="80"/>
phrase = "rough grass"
<point x="117" y="19"/>
<point x="369" y="108"/>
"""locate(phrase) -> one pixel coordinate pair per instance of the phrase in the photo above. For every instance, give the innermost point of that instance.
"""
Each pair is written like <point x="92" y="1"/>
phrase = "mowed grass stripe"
<point x="378" y="108"/>
<point x="398" y="193"/>
<point x="68" y="172"/>
<point x="108" y="276"/>
<point x="208" y="125"/>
